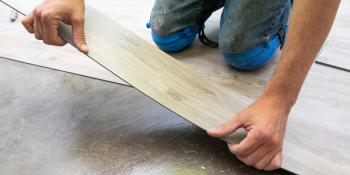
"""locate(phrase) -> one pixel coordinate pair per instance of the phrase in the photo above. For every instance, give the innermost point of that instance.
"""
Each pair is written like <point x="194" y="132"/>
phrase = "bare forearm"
<point x="310" y="24"/>
<point x="266" y="124"/>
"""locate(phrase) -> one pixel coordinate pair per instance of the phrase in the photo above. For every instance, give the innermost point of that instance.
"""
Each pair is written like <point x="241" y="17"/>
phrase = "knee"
<point x="250" y="59"/>
<point x="176" y="41"/>
<point x="171" y="32"/>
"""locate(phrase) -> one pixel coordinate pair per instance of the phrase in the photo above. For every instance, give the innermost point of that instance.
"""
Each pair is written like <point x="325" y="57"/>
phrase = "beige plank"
<point x="158" y="75"/>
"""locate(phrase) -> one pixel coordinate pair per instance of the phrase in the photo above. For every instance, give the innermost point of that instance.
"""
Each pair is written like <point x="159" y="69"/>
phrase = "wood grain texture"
<point x="157" y="74"/>
<point x="319" y="117"/>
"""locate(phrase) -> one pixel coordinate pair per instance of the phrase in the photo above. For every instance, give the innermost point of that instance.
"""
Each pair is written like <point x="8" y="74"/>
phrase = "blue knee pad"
<point x="254" y="58"/>
<point x="257" y="57"/>
<point x="177" y="41"/>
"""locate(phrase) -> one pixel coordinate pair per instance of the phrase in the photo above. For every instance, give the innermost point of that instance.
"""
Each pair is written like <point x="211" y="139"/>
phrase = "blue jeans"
<point x="248" y="28"/>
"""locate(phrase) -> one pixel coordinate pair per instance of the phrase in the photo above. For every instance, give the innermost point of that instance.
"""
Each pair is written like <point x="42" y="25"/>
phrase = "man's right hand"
<point x="43" y="22"/>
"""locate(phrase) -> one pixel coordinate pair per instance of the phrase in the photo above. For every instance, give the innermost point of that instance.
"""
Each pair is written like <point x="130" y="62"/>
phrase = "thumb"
<point x="227" y="128"/>
<point x="79" y="35"/>
<point x="275" y="163"/>
<point x="28" y="22"/>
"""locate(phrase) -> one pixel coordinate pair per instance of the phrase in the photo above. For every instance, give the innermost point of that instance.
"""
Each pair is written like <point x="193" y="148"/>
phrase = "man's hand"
<point x="265" y="120"/>
<point x="43" y="22"/>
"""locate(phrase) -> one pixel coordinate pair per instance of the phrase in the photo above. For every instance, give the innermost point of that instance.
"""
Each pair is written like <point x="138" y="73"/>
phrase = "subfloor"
<point x="69" y="124"/>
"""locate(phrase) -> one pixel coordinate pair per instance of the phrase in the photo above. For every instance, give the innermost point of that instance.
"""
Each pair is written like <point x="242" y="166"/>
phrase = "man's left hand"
<point x="265" y="122"/>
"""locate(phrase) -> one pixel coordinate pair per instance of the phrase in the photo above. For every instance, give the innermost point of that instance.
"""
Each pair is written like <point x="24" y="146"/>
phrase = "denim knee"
<point x="175" y="24"/>
<point x="251" y="31"/>
<point x="177" y="41"/>
<point x="254" y="58"/>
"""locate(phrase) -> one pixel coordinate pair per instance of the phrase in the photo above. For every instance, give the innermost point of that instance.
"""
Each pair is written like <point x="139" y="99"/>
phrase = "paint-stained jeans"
<point x="244" y="24"/>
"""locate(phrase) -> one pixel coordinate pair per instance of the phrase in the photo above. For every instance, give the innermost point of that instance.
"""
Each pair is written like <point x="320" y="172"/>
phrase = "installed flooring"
<point x="336" y="51"/>
<point x="323" y="103"/>
<point x="336" y="54"/>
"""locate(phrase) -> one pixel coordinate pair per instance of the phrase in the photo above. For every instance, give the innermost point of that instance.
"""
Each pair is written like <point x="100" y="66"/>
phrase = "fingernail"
<point x="84" y="48"/>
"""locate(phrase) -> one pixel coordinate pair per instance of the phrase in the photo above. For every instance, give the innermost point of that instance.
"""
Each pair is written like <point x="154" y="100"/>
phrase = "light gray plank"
<point x="336" y="50"/>
<point x="318" y="138"/>
<point x="336" y="53"/>
<point x="342" y="24"/>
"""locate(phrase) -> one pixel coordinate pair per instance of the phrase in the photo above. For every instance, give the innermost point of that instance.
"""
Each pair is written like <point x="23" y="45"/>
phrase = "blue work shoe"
<point x="177" y="41"/>
<point x="257" y="57"/>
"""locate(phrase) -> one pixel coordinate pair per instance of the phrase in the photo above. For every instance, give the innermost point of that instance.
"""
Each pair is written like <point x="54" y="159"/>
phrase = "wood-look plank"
<point x="158" y="75"/>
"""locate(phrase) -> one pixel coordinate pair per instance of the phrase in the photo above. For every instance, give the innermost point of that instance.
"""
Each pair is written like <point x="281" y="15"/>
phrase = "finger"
<point x="79" y="34"/>
<point x="257" y="155"/>
<point x="248" y="145"/>
<point x="263" y="162"/>
<point x="38" y="22"/>
<point x="50" y="30"/>
<point x="28" y="22"/>
<point x="275" y="163"/>
<point x="227" y="128"/>
<point x="36" y="31"/>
